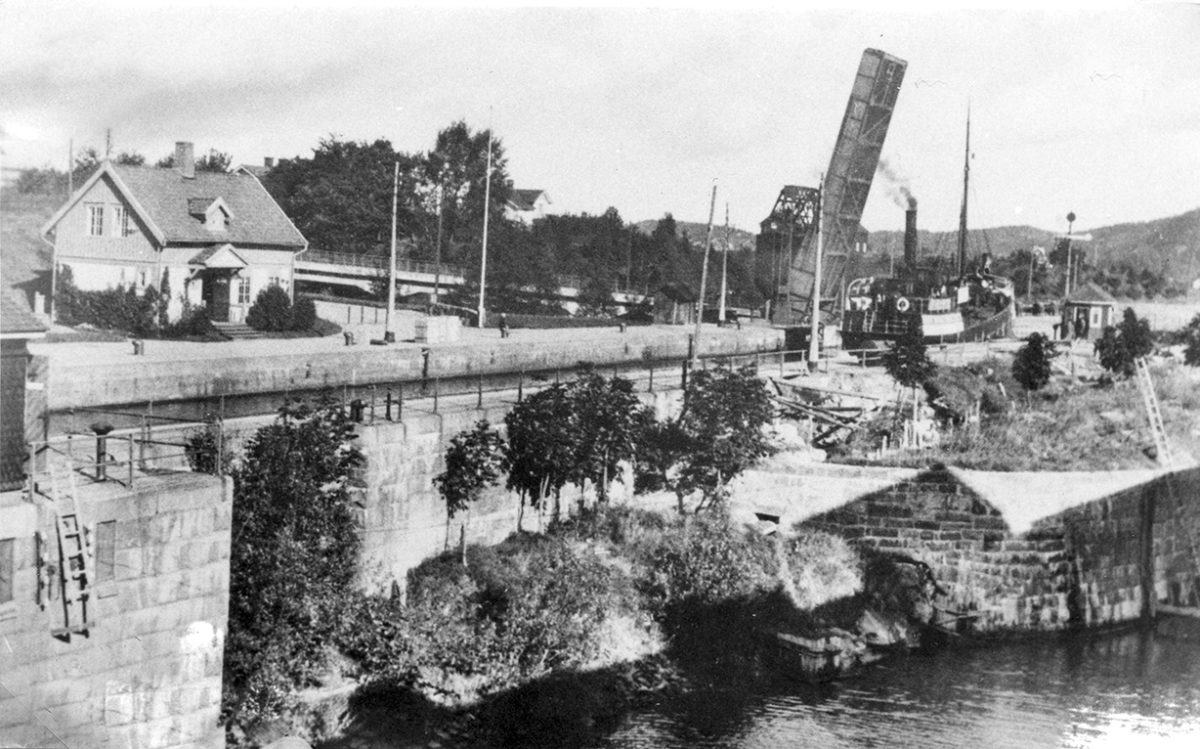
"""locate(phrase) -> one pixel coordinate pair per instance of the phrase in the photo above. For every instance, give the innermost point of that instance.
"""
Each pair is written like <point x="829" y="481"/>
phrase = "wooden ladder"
<point x="1165" y="459"/>
<point x="75" y="552"/>
<point x="1150" y="400"/>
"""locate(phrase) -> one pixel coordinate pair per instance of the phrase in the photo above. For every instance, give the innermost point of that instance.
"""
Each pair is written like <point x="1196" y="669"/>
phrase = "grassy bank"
<point x="1074" y="424"/>
<point x="565" y="631"/>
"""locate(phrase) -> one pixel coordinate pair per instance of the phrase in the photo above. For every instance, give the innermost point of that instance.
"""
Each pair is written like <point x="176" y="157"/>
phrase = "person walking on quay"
<point x="503" y="325"/>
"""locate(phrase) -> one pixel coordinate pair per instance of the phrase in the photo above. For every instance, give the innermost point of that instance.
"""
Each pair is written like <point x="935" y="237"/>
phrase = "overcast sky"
<point x="1092" y="109"/>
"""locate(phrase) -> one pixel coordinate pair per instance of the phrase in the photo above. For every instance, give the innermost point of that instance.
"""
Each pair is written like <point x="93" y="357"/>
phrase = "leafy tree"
<point x="609" y="420"/>
<point x="908" y="360"/>
<point x="294" y="555"/>
<point x="1031" y="366"/>
<point x="474" y="461"/>
<point x="341" y="197"/>
<point x="213" y="161"/>
<point x="1120" y="346"/>
<point x="721" y="430"/>
<point x="1191" y="351"/>
<point x="541" y="446"/>
<point x="458" y="163"/>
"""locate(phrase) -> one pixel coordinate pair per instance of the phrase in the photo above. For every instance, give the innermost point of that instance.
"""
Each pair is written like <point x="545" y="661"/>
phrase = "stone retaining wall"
<point x="1087" y="566"/>
<point x="148" y="672"/>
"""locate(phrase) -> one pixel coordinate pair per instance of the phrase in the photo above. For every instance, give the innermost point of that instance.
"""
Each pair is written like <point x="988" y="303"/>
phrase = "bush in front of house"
<point x="304" y="314"/>
<point x="120" y="308"/>
<point x="272" y="310"/>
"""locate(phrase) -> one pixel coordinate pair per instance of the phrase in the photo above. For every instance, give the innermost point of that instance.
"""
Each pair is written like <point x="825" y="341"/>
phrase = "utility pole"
<point x="1067" y="282"/>
<point x="712" y="207"/>
<point x="70" y="167"/>
<point x="389" y="335"/>
<point x="437" y="253"/>
<point x="814" y="350"/>
<point x="724" y="267"/>
<point x="107" y="143"/>
<point x="487" y="199"/>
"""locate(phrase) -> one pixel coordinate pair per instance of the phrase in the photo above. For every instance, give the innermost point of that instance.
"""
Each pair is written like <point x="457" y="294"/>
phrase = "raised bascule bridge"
<point x="787" y="242"/>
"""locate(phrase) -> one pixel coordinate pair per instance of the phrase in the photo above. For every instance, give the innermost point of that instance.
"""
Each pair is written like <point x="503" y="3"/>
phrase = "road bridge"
<point x="344" y="270"/>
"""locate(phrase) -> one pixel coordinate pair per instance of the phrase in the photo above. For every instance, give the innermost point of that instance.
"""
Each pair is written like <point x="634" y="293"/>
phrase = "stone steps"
<point x="236" y="331"/>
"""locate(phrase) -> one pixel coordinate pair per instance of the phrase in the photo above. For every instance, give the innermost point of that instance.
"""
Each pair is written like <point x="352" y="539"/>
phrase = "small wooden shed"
<point x="1087" y="312"/>
<point x="675" y="304"/>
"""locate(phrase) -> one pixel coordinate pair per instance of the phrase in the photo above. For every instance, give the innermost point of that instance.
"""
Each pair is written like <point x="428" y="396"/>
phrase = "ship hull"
<point x="935" y="329"/>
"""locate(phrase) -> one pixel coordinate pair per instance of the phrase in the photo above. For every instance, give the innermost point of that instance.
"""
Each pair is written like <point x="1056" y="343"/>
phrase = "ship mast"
<point x="962" y="216"/>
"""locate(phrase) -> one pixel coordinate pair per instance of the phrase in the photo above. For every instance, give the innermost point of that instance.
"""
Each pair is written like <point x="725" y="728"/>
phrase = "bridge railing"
<point x="378" y="262"/>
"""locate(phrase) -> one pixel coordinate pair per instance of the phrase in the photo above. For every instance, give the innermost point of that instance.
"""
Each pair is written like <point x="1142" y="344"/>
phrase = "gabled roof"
<point x="677" y="291"/>
<point x="16" y="321"/>
<point x="165" y="201"/>
<point x="218" y="256"/>
<point x="524" y="200"/>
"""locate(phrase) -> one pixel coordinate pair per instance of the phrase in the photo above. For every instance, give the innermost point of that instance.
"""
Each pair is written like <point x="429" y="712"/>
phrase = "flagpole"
<point x="388" y="334"/>
<point x="712" y="207"/>
<point x="487" y="199"/>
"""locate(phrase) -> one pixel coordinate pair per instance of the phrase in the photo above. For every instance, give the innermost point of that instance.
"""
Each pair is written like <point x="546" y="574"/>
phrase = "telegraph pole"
<point x="389" y="335"/>
<point x="724" y="267"/>
<point x="1067" y="282"/>
<point x="487" y="199"/>
<point x="437" y="253"/>
<point x="712" y="207"/>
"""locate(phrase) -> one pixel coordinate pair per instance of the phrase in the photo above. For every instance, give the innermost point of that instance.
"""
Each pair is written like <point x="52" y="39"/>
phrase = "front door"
<point x="216" y="295"/>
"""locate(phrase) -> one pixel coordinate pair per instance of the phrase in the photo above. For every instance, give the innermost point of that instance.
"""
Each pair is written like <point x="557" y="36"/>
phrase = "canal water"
<point x="1137" y="689"/>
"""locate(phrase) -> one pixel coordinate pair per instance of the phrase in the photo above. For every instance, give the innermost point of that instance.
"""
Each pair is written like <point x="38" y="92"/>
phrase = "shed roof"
<point x="16" y="321"/>
<point x="677" y="291"/>
<point x="1090" y="293"/>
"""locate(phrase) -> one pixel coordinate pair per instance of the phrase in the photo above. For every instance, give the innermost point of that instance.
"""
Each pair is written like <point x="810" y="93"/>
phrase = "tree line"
<point x="341" y="196"/>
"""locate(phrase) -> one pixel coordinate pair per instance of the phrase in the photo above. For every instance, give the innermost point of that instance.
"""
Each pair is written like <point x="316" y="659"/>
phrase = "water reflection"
<point x="1103" y="691"/>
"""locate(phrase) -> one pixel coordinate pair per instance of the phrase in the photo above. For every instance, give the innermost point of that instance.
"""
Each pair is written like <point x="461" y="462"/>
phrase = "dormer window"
<point x="215" y="218"/>
<point x="212" y="211"/>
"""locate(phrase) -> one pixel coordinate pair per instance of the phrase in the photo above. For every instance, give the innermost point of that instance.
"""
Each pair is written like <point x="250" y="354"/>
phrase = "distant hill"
<point x="1169" y="246"/>
<point x="739" y="238"/>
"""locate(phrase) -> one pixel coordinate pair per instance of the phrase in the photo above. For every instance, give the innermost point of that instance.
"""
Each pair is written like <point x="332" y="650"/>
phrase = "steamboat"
<point x="941" y="304"/>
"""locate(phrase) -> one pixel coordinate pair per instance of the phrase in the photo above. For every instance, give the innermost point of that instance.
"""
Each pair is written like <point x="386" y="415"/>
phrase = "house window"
<point x="277" y="281"/>
<point x="95" y="220"/>
<point x="243" y="296"/>
<point x="106" y="551"/>
<point x="142" y="278"/>
<point x="122" y="225"/>
<point x="6" y="570"/>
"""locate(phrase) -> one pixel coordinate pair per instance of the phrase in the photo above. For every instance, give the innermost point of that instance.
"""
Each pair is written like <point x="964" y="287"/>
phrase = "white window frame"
<point x="95" y="215"/>
<point x="243" y="290"/>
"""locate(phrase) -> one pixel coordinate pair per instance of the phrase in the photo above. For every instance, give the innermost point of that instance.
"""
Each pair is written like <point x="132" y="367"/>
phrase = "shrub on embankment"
<point x="609" y="588"/>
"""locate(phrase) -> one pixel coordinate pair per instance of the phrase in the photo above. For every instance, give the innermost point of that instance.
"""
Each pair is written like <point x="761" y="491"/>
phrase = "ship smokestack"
<point x="910" y="234"/>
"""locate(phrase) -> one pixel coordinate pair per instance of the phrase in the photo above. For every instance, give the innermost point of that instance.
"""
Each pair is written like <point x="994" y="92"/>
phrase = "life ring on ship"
<point x="902" y="304"/>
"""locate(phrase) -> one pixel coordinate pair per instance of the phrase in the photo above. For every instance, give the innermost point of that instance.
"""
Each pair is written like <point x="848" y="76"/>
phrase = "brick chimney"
<point x="185" y="159"/>
<point x="269" y="162"/>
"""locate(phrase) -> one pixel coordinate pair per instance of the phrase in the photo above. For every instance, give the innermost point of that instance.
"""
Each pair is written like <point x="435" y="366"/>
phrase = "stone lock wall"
<point x="148" y="672"/>
<point x="403" y="518"/>
<point x="1092" y="565"/>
